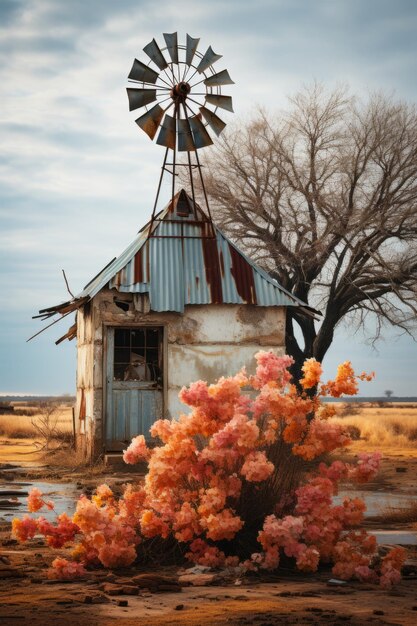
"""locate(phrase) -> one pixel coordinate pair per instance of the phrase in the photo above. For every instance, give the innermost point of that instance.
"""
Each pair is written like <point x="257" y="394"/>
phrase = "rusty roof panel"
<point x="167" y="277"/>
<point x="230" y="293"/>
<point x="195" y="281"/>
<point x="179" y="265"/>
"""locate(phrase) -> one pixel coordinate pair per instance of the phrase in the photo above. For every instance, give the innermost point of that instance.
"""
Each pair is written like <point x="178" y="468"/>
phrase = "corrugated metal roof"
<point x="179" y="265"/>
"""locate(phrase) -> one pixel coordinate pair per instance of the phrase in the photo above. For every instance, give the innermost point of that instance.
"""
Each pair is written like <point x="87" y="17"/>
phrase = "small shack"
<point x="181" y="303"/>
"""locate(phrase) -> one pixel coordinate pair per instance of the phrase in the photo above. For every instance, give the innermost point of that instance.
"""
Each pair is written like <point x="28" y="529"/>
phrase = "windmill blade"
<point x="171" y="41"/>
<point x="150" y="120"/>
<point x="154" y="53"/>
<point x="213" y="120"/>
<point x="192" y="45"/>
<point x="166" y="135"/>
<point x="224" y="102"/>
<point x="208" y="59"/>
<point x="142" y="73"/>
<point x="139" y="97"/>
<point x="185" y="138"/>
<point x="222" y="78"/>
<point x="200" y="134"/>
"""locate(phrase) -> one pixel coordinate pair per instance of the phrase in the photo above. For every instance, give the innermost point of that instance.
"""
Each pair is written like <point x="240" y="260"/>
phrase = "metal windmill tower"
<point x="181" y="98"/>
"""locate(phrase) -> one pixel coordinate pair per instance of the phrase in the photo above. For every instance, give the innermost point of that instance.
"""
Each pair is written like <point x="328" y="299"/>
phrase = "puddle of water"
<point x="377" y="501"/>
<point x="395" y="537"/>
<point x="63" y="495"/>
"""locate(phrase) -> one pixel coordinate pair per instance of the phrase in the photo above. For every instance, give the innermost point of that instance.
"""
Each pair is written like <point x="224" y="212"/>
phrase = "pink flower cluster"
<point x="109" y="527"/>
<point x="210" y="461"/>
<point x="57" y="535"/>
<point x="36" y="502"/>
<point x="137" y="451"/>
<point x="391" y="567"/>
<point x="65" y="570"/>
<point x="60" y="534"/>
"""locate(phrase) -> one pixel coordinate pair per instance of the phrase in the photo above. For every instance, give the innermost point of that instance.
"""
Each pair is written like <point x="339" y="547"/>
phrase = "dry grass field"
<point x="15" y="426"/>
<point x="29" y="433"/>
<point x="390" y="427"/>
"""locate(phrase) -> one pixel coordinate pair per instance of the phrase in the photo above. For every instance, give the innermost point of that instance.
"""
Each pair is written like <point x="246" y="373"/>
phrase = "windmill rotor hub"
<point x="180" y="91"/>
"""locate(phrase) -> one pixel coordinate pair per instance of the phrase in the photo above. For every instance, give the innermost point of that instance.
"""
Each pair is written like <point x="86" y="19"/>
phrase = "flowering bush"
<point x="237" y="481"/>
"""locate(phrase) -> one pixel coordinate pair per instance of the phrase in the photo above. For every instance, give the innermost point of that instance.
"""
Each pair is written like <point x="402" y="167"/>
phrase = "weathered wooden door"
<point x="134" y="396"/>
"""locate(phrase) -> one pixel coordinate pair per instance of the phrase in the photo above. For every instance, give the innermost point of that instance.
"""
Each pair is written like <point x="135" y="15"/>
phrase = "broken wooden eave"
<point x="63" y="309"/>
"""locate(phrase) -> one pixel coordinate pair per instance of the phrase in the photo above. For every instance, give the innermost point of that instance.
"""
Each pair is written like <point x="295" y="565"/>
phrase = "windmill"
<point x="181" y="93"/>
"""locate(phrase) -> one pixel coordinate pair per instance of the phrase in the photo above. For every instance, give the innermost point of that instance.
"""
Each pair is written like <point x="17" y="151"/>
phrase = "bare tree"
<point x="324" y="196"/>
<point x="46" y="423"/>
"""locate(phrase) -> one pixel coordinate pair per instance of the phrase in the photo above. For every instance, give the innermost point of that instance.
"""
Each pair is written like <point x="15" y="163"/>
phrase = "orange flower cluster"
<point x="208" y="459"/>
<point x="345" y="383"/>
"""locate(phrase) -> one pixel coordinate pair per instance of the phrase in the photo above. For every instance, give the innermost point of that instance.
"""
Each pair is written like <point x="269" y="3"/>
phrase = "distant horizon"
<point x="325" y="398"/>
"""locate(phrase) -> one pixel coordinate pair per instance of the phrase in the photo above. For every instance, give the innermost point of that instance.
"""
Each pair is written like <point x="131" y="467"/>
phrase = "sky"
<point x="78" y="178"/>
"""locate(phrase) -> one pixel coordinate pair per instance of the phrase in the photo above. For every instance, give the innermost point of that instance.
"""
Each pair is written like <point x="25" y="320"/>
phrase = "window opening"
<point x="138" y="355"/>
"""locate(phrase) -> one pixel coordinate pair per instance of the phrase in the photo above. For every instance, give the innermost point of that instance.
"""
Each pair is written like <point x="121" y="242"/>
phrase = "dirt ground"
<point x="281" y="601"/>
<point x="104" y="598"/>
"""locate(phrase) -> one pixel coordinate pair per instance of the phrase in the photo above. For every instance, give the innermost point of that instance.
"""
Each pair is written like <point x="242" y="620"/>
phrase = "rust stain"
<point x="83" y="410"/>
<point x="221" y="262"/>
<point x="242" y="272"/>
<point x="138" y="267"/>
<point x="212" y="267"/>
<point x="197" y="280"/>
<point x="252" y="315"/>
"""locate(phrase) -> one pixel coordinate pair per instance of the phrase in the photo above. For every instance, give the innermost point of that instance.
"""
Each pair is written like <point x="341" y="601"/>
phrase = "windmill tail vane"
<point x="181" y="94"/>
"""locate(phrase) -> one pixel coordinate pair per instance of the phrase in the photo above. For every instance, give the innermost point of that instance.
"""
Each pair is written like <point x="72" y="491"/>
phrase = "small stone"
<point x="130" y="590"/>
<point x="111" y="590"/>
<point x="197" y="580"/>
<point x="122" y="603"/>
<point x="336" y="582"/>
<point x="179" y="607"/>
